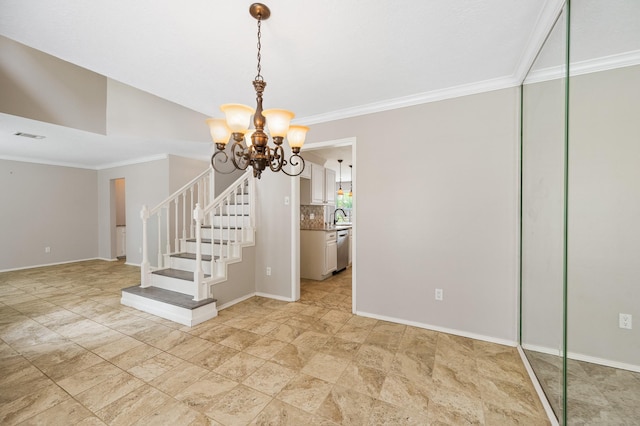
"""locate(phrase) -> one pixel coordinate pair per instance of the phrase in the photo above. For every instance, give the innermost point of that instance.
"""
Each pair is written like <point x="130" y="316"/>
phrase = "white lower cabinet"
<point x="331" y="257"/>
<point x="318" y="254"/>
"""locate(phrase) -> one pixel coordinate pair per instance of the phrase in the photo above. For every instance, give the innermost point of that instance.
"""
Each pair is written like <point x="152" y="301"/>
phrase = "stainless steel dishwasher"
<point x="343" y="249"/>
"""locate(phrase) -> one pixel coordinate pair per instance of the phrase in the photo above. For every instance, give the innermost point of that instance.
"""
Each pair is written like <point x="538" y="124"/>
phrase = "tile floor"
<point x="596" y="395"/>
<point x="71" y="354"/>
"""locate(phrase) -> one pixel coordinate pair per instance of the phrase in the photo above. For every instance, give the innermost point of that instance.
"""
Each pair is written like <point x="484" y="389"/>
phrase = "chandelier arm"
<point x="220" y="161"/>
<point x="293" y="160"/>
<point x="276" y="158"/>
<point x="238" y="150"/>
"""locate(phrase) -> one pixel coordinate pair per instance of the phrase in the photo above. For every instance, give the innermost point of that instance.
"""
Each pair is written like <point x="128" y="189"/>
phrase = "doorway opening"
<point x="337" y="290"/>
<point x="118" y="220"/>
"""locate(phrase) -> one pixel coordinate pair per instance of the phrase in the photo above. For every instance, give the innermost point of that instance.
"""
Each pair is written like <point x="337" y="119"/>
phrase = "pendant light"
<point x="351" y="179"/>
<point x="340" y="191"/>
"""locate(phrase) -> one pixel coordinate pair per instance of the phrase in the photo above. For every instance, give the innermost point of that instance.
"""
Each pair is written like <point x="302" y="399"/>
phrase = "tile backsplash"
<point x="307" y="211"/>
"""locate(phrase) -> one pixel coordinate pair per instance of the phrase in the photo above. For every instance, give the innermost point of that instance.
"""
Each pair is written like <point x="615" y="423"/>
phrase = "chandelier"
<point x="250" y="146"/>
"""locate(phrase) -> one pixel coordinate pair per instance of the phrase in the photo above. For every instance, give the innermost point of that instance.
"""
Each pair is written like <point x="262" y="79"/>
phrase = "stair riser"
<point x="189" y="265"/>
<point x="222" y="234"/>
<point x="173" y="284"/>
<point x="206" y="248"/>
<point x="235" y="209"/>
<point x="240" y="199"/>
<point x="224" y="221"/>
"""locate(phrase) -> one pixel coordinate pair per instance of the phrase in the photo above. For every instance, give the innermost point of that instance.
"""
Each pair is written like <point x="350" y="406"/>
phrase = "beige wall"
<point x="42" y="87"/>
<point x="46" y="206"/>
<point x="452" y="224"/>
<point x="604" y="214"/>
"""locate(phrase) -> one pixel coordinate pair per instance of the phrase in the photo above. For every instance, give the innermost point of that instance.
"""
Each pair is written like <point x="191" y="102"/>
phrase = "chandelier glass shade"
<point x="250" y="146"/>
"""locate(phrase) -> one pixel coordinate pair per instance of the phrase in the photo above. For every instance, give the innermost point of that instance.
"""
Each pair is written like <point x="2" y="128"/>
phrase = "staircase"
<point x="196" y="240"/>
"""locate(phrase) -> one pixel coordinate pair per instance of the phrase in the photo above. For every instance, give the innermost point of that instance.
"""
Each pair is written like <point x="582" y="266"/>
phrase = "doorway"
<point x="118" y="220"/>
<point x="339" y="290"/>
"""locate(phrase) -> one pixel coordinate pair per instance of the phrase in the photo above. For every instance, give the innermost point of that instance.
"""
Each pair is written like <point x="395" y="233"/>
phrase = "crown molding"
<point x="411" y="100"/>
<point x="544" y="25"/>
<point x="589" y="66"/>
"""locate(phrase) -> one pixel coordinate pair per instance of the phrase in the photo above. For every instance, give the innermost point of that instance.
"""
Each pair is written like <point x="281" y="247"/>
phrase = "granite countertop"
<point x="337" y="227"/>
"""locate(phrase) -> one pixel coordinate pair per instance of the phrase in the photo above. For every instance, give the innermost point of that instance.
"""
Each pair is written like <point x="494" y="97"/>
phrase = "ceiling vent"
<point x="29" y="135"/>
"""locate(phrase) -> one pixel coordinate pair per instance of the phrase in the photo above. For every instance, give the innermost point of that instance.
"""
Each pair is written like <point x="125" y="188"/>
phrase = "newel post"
<point x="198" y="274"/>
<point x="145" y="269"/>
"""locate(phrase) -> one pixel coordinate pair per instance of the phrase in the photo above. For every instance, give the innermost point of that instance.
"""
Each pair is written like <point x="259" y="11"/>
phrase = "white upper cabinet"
<point x="320" y="187"/>
<point x="329" y="186"/>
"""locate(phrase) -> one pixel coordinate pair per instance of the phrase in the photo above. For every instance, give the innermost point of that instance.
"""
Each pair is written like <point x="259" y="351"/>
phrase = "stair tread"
<point x="207" y="241"/>
<point x="168" y="296"/>
<point x="205" y="257"/>
<point x="220" y="227"/>
<point x="177" y="273"/>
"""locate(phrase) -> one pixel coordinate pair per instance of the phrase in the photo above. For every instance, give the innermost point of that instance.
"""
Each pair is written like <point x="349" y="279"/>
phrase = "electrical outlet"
<point x="47" y="249"/>
<point x="439" y="294"/>
<point x="286" y="201"/>
<point x="268" y="271"/>
<point x="312" y="216"/>
<point x="625" y="321"/>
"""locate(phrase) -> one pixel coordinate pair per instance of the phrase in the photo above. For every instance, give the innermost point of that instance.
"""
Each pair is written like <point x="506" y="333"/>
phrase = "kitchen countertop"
<point x="327" y="228"/>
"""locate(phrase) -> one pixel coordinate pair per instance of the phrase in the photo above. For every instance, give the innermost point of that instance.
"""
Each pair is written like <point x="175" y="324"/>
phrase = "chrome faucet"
<point x="335" y="215"/>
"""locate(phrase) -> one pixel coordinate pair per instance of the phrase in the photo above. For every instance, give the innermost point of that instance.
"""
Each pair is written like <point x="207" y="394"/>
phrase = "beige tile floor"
<point x="71" y="354"/>
<point x="596" y="394"/>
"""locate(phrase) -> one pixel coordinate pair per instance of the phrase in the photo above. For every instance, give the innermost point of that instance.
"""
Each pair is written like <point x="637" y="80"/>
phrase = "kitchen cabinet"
<point x="329" y="186"/>
<point x="318" y="254"/>
<point x="317" y="184"/>
<point x="306" y="173"/>
<point x="320" y="188"/>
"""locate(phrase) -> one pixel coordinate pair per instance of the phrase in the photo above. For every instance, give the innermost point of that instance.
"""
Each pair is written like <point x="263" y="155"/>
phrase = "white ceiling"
<point x="323" y="60"/>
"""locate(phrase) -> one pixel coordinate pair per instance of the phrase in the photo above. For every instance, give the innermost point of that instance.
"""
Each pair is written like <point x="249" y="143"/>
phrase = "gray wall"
<point x="542" y="214"/>
<point x="241" y="280"/>
<point x="453" y="224"/>
<point x="604" y="214"/>
<point x="133" y="113"/>
<point x="42" y="87"/>
<point x="183" y="170"/>
<point x="147" y="183"/>
<point x="46" y="206"/>
<point x="274" y="222"/>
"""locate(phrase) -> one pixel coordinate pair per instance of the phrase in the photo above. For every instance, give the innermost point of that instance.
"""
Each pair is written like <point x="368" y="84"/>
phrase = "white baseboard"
<point x="106" y="259"/>
<point x="276" y="297"/>
<point x="236" y="301"/>
<point x="586" y="358"/>
<point x="132" y="264"/>
<point x="188" y="317"/>
<point x="475" y="336"/>
<point x="536" y="384"/>
<point x="50" y="264"/>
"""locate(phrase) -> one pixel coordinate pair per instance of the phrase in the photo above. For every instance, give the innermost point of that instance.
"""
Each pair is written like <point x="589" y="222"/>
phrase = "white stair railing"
<point x="198" y="191"/>
<point x="235" y="221"/>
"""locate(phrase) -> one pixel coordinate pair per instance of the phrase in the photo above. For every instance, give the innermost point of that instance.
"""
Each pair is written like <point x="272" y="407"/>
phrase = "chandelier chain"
<point x="259" y="76"/>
